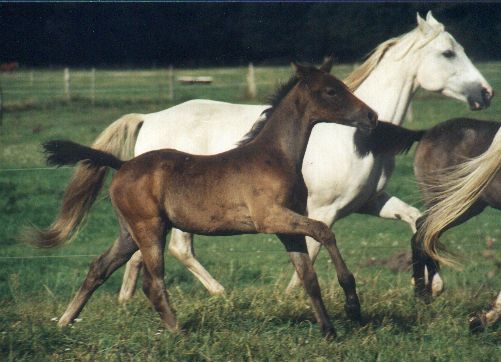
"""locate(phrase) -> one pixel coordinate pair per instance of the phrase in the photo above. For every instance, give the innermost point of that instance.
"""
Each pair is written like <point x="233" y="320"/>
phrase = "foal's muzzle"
<point x="369" y="124"/>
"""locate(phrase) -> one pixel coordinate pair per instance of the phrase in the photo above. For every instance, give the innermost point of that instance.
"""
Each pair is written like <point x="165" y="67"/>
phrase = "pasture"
<point x="255" y="320"/>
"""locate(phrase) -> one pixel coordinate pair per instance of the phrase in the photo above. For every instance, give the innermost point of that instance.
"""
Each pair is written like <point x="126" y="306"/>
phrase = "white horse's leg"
<point x="181" y="247"/>
<point x="391" y="207"/>
<point x="131" y="273"/>
<point x="327" y="217"/>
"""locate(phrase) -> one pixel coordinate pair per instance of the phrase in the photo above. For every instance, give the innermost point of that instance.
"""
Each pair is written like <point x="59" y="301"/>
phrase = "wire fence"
<point x="43" y="86"/>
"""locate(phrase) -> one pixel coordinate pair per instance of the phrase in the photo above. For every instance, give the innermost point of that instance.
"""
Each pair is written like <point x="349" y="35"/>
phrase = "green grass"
<point x="255" y="320"/>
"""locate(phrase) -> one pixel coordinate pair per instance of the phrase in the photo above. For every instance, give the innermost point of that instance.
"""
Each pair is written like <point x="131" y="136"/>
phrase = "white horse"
<point x="353" y="181"/>
<point x="465" y="185"/>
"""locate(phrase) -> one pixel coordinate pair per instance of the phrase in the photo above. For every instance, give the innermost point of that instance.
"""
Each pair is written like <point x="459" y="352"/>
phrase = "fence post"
<point x="93" y="86"/>
<point x="1" y="106"/>
<point x="67" y="80"/>
<point x="170" y="96"/>
<point x="32" y="77"/>
<point x="251" y="82"/>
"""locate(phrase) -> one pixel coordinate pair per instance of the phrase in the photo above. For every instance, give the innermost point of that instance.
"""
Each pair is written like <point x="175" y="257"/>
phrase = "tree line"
<point x="192" y="34"/>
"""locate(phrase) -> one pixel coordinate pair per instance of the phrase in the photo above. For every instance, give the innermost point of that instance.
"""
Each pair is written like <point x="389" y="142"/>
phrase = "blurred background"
<point x="209" y="34"/>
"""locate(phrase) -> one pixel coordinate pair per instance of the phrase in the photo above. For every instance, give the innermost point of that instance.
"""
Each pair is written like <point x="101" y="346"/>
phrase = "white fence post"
<point x="170" y="96"/>
<point x="251" y="82"/>
<point x="1" y="106"/>
<point x="93" y="86"/>
<point x="67" y="80"/>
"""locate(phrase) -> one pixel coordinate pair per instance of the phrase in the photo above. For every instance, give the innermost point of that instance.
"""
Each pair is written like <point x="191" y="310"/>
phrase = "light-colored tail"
<point x="118" y="139"/>
<point x="454" y="191"/>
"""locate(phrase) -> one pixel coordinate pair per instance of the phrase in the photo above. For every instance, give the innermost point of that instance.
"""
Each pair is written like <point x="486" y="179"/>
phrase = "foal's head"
<point x="327" y="99"/>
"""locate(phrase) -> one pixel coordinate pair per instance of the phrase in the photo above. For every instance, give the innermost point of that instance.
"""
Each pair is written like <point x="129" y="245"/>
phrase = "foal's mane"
<point x="274" y="101"/>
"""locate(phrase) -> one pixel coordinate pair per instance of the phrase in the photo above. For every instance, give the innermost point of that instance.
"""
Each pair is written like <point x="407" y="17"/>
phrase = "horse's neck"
<point x="286" y="132"/>
<point x="389" y="89"/>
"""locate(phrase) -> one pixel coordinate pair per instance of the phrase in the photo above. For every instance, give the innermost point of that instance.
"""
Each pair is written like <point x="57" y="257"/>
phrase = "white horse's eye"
<point x="449" y="54"/>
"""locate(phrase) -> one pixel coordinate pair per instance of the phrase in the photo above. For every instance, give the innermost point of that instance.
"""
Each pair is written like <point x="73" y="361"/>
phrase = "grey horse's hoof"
<point x="477" y="322"/>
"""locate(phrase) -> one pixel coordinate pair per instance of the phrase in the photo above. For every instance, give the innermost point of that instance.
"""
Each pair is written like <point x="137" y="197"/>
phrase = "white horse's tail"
<point x="117" y="139"/>
<point x="454" y="191"/>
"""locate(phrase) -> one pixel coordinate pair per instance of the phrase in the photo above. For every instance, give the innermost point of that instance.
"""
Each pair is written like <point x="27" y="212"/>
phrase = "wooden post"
<point x="32" y="78"/>
<point x="251" y="82"/>
<point x="170" y="96"/>
<point x="1" y="106"/>
<point x="67" y="80"/>
<point x="93" y="86"/>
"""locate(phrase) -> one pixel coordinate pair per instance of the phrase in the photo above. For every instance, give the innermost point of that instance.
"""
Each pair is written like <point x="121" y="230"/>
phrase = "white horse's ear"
<point x="423" y="26"/>
<point x="419" y="19"/>
<point x="432" y="21"/>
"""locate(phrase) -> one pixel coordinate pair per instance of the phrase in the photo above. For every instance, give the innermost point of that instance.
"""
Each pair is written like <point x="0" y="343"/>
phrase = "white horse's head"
<point x="444" y="67"/>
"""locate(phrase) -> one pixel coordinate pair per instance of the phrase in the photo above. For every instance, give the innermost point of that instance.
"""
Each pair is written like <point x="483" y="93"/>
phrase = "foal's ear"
<point x="327" y="64"/>
<point x="302" y="72"/>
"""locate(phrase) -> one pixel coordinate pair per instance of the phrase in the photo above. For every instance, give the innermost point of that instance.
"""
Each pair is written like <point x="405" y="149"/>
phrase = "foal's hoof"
<point x="353" y="311"/>
<point x="329" y="333"/>
<point x="477" y="322"/>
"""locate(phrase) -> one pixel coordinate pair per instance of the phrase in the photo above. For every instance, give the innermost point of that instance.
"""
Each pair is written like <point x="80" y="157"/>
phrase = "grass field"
<point x="255" y="320"/>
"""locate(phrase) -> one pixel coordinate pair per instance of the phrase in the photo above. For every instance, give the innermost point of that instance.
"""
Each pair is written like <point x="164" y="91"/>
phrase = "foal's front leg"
<point x="296" y="247"/>
<point x="280" y="220"/>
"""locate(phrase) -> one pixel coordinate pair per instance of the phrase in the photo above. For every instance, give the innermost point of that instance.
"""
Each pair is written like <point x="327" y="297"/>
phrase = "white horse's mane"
<point x="409" y="41"/>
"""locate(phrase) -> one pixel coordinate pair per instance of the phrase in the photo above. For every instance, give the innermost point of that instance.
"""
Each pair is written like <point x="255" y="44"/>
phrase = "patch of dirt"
<point x="398" y="262"/>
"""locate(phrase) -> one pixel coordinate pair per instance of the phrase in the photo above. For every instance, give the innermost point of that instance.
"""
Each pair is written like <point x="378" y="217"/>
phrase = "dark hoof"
<point x="329" y="333"/>
<point x="353" y="311"/>
<point x="477" y="323"/>
<point x="424" y="295"/>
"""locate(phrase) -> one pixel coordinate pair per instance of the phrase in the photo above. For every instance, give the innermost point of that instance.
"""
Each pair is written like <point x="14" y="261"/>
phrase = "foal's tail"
<point x="118" y="140"/>
<point x="457" y="190"/>
<point x="63" y="153"/>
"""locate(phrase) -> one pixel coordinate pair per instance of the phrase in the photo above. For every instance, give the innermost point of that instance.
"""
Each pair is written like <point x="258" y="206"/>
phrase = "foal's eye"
<point x="449" y="54"/>
<point x="330" y="92"/>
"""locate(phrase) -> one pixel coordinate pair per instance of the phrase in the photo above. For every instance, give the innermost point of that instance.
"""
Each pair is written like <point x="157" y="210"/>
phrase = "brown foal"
<point x="255" y="188"/>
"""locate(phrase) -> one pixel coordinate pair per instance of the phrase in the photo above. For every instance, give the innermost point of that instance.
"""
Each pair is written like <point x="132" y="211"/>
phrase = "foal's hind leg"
<point x="99" y="271"/>
<point x="296" y="247"/>
<point x="150" y="236"/>
<point x="181" y="247"/>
